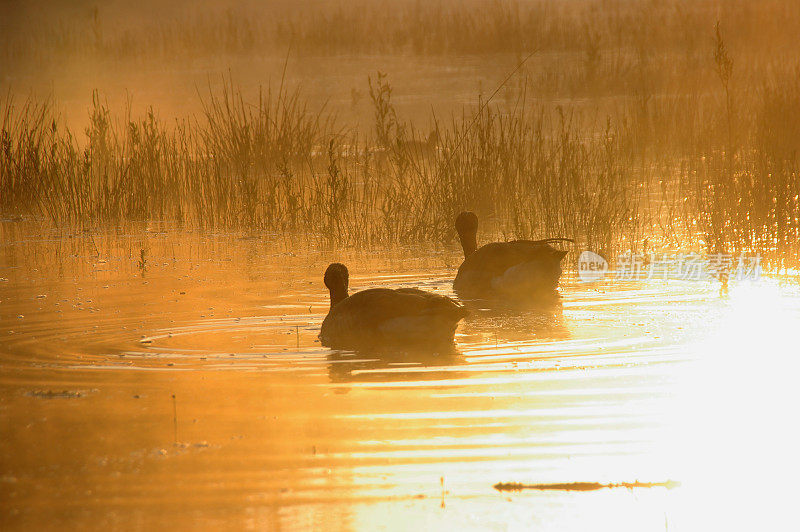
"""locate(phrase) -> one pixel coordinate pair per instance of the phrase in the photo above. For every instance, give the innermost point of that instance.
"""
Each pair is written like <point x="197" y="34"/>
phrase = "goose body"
<point x="516" y="270"/>
<point x="421" y="147"/>
<point x="383" y="316"/>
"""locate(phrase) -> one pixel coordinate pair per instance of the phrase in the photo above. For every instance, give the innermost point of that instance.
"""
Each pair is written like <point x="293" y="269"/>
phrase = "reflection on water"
<point x="391" y="366"/>
<point x="618" y="382"/>
<point x="487" y="322"/>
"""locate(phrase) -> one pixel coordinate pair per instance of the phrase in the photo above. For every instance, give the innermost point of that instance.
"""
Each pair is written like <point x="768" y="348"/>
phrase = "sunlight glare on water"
<point x="619" y="382"/>
<point x="738" y="456"/>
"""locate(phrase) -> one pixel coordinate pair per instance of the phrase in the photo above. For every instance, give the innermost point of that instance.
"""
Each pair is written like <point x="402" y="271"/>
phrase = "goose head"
<point x="467" y="227"/>
<point x="433" y="138"/>
<point x="337" y="279"/>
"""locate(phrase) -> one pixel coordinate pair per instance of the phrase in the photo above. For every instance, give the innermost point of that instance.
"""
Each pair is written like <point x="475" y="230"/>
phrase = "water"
<point x="621" y="381"/>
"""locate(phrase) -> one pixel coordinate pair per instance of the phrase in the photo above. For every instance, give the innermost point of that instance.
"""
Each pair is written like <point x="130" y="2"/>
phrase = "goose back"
<point x="382" y="316"/>
<point x="520" y="268"/>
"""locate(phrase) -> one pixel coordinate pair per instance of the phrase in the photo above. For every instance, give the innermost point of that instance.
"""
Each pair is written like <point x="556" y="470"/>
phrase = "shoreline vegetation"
<point x="671" y="29"/>
<point x="699" y="156"/>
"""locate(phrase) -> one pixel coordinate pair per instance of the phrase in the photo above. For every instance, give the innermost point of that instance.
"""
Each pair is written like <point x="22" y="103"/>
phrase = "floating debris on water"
<point x="62" y="394"/>
<point x="583" y="486"/>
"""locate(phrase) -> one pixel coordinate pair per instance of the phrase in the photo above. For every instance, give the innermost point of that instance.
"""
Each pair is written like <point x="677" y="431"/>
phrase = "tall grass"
<point x="744" y="195"/>
<point x="276" y="166"/>
<point x="712" y="167"/>
<point x="192" y="29"/>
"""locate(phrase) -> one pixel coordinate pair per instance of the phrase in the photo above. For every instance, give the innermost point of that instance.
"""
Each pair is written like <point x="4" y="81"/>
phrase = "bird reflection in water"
<point x="489" y="321"/>
<point x="394" y="365"/>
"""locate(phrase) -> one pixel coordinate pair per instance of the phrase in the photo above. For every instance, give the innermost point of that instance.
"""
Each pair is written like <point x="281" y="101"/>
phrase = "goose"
<point x="420" y="147"/>
<point x="514" y="271"/>
<point x="381" y="316"/>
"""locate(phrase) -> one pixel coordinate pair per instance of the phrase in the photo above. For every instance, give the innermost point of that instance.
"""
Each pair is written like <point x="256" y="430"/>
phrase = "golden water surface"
<point x="175" y="380"/>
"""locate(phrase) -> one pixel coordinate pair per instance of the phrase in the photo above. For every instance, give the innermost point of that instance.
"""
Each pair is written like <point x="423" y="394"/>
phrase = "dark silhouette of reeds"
<point x="715" y="170"/>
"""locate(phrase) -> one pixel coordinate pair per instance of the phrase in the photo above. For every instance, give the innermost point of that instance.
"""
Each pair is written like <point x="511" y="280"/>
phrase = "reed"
<point x="589" y="27"/>
<point x="275" y="166"/>
<point x="716" y="173"/>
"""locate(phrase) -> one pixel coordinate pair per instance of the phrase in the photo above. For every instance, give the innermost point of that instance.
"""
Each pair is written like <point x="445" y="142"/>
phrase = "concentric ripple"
<point x="206" y="376"/>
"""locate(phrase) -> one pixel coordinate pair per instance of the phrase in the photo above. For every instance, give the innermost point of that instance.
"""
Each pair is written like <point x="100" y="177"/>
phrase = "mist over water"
<point x="174" y="180"/>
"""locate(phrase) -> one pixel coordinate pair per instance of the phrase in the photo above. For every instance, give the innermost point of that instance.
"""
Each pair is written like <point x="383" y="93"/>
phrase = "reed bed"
<point x="199" y="29"/>
<point x="274" y="167"/>
<point x="697" y="150"/>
